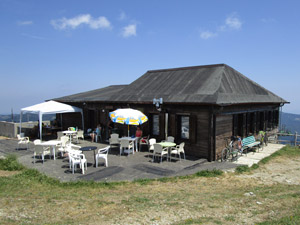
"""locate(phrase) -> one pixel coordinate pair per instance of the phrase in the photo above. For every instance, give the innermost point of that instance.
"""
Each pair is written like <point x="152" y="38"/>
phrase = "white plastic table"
<point x="70" y="133"/>
<point x="135" y="148"/>
<point x="52" y="144"/>
<point x="168" y="145"/>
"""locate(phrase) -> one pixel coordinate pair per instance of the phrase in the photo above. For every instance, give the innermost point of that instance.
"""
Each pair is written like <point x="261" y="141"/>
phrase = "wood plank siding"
<point x="223" y="132"/>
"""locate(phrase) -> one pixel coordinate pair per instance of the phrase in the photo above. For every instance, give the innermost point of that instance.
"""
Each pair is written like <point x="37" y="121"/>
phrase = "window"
<point x="155" y="124"/>
<point x="184" y="127"/>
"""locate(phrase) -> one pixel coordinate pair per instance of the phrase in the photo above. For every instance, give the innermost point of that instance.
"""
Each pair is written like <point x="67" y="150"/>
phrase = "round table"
<point x="168" y="145"/>
<point x="70" y="133"/>
<point x="90" y="148"/>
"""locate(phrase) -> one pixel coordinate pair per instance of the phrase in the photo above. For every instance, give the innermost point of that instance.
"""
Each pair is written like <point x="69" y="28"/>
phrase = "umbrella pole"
<point x="128" y="130"/>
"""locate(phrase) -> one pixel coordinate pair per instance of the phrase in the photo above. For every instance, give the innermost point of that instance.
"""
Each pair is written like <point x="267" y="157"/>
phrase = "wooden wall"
<point x="223" y="132"/>
<point x="209" y="126"/>
<point x="197" y="145"/>
<point x="69" y="120"/>
<point x="243" y="121"/>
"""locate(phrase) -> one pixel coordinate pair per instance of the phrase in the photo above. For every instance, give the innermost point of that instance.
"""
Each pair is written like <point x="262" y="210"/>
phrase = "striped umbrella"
<point x="128" y="116"/>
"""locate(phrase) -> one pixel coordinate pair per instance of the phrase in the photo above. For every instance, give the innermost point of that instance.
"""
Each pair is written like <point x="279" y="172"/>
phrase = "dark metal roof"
<point x="212" y="84"/>
<point x="101" y="94"/>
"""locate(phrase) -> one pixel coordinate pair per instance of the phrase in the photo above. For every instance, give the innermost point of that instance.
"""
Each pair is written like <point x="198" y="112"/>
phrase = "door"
<point x="91" y="122"/>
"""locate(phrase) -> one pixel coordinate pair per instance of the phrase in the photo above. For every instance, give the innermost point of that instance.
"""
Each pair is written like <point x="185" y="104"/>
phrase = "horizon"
<point x="9" y="114"/>
<point x="54" y="49"/>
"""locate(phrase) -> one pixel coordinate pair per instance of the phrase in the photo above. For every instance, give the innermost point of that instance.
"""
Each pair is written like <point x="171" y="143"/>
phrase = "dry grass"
<point x="217" y="200"/>
<point x="4" y="173"/>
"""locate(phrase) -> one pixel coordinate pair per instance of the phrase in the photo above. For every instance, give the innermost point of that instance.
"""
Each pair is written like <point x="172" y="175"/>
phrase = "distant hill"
<point x="290" y="122"/>
<point x="25" y="118"/>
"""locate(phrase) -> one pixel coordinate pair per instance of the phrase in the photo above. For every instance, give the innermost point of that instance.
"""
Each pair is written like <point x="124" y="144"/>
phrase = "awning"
<point x="49" y="107"/>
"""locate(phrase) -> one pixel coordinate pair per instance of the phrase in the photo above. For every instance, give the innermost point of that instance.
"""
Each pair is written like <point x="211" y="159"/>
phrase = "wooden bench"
<point x="249" y="142"/>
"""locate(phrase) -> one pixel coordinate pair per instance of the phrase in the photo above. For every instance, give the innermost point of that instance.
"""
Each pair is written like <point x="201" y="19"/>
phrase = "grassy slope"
<point x="30" y="197"/>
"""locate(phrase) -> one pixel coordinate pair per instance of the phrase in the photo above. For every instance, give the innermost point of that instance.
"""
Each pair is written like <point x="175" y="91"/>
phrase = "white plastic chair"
<point x="59" y="134"/>
<point x="170" y="139"/>
<point x="178" y="150"/>
<point x="40" y="150"/>
<point x="144" y="141"/>
<point x="78" y="135"/>
<point x="37" y="141"/>
<point x="159" y="150"/>
<point x="102" y="154"/>
<point x="62" y="147"/>
<point x="70" y="151"/>
<point x="126" y="147"/>
<point x="71" y="147"/>
<point x="114" y="139"/>
<point x="78" y="159"/>
<point x="98" y="136"/>
<point x="23" y="140"/>
<point x="151" y="142"/>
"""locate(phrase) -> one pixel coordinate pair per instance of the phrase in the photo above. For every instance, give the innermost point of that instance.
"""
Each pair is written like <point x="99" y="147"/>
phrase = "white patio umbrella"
<point x="128" y="116"/>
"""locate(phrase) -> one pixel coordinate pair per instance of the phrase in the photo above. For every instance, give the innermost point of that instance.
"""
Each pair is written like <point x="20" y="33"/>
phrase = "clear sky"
<point x="54" y="48"/>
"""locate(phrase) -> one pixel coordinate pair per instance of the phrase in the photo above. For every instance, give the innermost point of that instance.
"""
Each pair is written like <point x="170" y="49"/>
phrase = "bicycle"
<point x="263" y="138"/>
<point x="230" y="152"/>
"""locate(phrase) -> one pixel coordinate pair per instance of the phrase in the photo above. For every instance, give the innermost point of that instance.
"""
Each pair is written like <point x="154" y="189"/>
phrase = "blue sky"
<point x="50" y="49"/>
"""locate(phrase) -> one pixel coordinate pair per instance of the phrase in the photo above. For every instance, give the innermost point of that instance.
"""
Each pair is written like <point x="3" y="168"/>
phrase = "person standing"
<point x="109" y="127"/>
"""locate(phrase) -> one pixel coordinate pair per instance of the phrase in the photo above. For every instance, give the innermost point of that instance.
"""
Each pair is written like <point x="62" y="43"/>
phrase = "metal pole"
<point x="166" y="125"/>
<point x="296" y="138"/>
<point x="20" y="122"/>
<point x="280" y="115"/>
<point x="40" y="123"/>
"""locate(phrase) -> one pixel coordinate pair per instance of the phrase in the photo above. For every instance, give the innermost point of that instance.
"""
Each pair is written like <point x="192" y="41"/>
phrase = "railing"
<point x="284" y="138"/>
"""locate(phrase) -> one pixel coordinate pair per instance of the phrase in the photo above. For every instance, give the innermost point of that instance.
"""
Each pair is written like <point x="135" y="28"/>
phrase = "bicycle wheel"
<point x="266" y="141"/>
<point x="224" y="154"/>
<point x="234" y="153"/>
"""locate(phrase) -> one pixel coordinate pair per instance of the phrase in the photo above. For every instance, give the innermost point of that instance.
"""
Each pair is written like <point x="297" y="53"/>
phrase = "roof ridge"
<point x="114" y="85"/>
<point x="253" y="82"/>
<point x="186" y="68"/>
<point x="220" y="83"/>
<point x="88" y="92"/>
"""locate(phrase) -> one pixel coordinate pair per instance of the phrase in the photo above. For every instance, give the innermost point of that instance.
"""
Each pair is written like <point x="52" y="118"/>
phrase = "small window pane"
<point x="185" y="127"/>
<point x="155" y="122"/>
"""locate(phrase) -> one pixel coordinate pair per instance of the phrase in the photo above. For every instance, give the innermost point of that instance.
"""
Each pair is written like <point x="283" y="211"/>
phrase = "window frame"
<point x="152" y="124"/>
<point x="179" y="126"/>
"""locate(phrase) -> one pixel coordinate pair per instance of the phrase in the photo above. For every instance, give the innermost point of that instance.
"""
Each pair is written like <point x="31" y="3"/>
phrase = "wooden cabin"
<point x="201" y="106"/>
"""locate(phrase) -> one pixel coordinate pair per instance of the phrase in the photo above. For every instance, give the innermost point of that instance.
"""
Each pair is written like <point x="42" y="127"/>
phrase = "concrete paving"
<point x="254" y="157"/>
<point x="125" y="168"/>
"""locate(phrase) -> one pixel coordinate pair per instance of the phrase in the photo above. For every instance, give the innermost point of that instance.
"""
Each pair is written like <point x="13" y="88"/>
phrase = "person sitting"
<point x="96" y="133"/>
<point x="138" y="132"/>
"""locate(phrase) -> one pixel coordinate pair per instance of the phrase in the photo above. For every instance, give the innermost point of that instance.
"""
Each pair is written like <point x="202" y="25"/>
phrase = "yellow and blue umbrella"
<point x="128" y="116"/>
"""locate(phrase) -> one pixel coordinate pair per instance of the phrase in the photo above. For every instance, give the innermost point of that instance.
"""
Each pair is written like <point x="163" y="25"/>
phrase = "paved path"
<point x="254" y="157"/>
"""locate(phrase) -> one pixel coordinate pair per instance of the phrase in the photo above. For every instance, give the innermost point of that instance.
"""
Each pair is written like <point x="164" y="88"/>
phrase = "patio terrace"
<point x="122" y="168"/>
